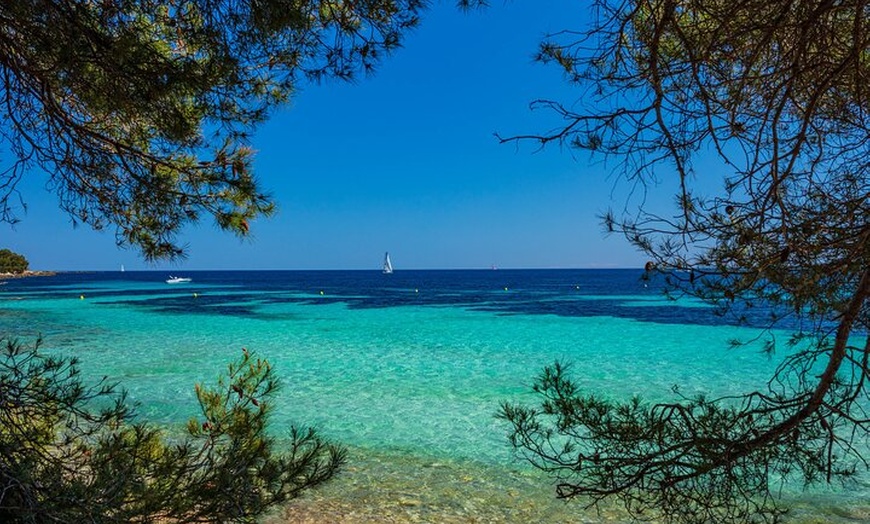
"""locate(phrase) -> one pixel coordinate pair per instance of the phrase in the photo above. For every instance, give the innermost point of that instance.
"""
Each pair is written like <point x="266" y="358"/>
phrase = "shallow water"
<point x="408" y="370"/>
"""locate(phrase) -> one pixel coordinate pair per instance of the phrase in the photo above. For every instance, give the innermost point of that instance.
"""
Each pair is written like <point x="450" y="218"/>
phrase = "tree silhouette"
<point x="777" y="90"/>
<point x="140" y="111"/>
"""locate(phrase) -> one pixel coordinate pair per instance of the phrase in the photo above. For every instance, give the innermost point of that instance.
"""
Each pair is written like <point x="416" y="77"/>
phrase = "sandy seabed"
<point x="393" y="488"/>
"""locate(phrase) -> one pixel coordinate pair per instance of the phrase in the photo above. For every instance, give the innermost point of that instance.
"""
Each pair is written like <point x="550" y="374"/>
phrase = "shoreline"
<point x="28" y="273"/>
<point x="394" y="487"/>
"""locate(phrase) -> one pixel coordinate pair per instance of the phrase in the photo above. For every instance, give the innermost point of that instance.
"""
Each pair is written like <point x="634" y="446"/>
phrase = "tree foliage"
<point x="70" y="452"/>
<point x="140" y="111"/>
<point x="12" y="262"/>
<point x="777" y="90"/>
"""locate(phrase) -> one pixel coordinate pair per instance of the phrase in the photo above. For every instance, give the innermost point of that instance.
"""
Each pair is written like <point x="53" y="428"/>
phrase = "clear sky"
<point x="403" y="161"/>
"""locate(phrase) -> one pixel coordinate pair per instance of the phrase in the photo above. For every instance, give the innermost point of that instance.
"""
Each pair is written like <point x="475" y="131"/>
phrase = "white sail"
<point x="388" y="266"/>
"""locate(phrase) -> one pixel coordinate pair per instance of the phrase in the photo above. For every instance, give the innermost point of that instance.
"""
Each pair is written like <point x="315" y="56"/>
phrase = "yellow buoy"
<point x="81" y="297"/>
<point x="321" y="292"/>
<point x="505" y="288"/>
<point x="195" y="295"/>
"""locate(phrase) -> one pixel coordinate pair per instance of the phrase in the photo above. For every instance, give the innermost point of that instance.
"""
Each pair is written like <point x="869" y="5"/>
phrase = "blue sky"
<point x="403" y="161"/>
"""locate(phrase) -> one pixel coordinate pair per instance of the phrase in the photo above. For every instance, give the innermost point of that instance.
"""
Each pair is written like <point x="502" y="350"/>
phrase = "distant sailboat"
<point x="122" y="268"/>
<point x="388" y="266"/>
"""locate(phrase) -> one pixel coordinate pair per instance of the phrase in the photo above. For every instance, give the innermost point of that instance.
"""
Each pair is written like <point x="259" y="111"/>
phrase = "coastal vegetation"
<point x="775" y="94"/>
<point x="71" y="452"/>
<point x="11" y="262"/>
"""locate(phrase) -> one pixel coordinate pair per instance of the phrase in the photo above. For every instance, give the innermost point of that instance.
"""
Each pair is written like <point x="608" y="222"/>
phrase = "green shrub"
<point x="75" y="453"/>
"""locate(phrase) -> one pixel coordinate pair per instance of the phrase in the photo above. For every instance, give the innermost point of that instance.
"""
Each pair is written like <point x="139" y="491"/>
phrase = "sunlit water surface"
<point x="408" y="370"/>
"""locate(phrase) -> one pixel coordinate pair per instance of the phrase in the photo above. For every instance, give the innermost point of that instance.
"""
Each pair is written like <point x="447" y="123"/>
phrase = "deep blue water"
<point x="563" y="292"/>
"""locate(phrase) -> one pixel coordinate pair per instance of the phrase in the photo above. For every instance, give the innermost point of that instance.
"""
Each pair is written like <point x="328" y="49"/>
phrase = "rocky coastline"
<point x="25" y="274"/>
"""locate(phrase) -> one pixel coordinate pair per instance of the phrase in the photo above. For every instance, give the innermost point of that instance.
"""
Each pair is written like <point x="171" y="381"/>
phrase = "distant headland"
<point x="28" y="273"/>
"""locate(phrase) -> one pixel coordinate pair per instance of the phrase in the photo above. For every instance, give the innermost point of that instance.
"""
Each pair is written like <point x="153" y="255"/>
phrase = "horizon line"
<point x="179" y="270"/>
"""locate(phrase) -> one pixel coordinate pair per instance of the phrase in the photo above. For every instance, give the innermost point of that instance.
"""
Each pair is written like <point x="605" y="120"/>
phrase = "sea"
<point x="407" y="370"/>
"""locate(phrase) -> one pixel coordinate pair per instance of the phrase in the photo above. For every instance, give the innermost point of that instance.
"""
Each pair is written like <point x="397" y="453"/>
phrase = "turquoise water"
<point x="409" y="369"/>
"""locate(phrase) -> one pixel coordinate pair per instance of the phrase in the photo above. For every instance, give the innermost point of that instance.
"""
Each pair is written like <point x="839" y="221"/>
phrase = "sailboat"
<point x="388" y="266"/>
